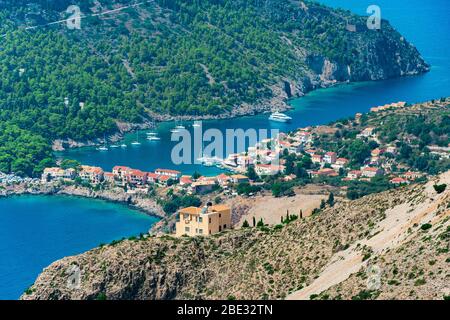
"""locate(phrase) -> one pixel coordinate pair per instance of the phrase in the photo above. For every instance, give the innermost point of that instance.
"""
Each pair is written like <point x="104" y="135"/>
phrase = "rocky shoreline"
<point x="136" y="201"/>
<point x="283" y="92"/>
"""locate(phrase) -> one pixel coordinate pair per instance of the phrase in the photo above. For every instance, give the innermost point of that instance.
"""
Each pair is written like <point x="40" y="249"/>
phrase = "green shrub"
<point x="439" y="188"/>
<point x="101" y="296"/>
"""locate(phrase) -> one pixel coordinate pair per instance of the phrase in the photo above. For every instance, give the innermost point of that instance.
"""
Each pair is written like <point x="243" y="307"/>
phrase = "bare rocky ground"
<point x="259" y="263"/>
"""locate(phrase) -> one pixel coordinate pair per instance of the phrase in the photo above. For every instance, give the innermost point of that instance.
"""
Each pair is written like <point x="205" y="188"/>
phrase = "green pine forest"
<point x="173" y="57"/>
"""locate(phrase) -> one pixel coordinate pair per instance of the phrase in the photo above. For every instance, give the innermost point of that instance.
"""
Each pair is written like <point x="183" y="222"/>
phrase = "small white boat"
<point x="104" y="147"/>
<point x="123" y="145"/>
<point x="151" y="133"/>
<point x="279" y="117"/>
<point x="113" y="146"/>
<point x="153" y="138"/>
<point x="174" y="130"/>
<point x="196" y="125"/>
<point x="180" y="127"/>
<point x="136" y="143"/>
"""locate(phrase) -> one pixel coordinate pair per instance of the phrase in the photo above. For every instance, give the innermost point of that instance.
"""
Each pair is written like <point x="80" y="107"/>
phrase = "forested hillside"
<point x="173" y="57"/>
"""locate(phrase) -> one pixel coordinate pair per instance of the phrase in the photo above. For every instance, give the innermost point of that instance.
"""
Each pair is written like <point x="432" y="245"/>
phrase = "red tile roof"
<point x="168" y="171"/>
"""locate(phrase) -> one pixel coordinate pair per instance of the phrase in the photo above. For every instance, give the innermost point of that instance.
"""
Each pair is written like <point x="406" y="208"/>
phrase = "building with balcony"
<point x="204" y="221"/>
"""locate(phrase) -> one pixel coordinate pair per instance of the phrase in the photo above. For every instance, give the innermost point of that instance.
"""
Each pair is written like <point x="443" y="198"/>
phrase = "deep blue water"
<point x="423" y="23"/>
<point x="37" y="230"/>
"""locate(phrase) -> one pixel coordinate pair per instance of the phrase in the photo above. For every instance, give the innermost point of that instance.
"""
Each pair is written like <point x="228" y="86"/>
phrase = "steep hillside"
<point x="173" y="58"/>
<point x="297" y="260"/>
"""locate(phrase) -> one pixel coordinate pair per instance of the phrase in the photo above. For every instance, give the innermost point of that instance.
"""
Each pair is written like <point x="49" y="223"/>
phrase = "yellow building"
<point x="208" y="220"/>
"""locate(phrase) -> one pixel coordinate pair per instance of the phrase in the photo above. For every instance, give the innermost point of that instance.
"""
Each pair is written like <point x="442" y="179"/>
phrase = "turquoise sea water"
<point x="423" y="23"/>
<point x="37" y="230"/>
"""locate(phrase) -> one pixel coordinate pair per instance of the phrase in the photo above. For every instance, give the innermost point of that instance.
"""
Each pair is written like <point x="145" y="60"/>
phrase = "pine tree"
<point x="322" y="204"/>
<point x="330" y="200"/>
<point x="260" y="223"/>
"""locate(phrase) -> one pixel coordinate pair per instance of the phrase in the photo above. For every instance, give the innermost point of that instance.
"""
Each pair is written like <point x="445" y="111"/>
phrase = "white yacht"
<point x="104" y="147"/>
<point x="136" y="143"/>
<point x="196" y="125"/>
<point x="123" y="145"/>
<point x="279" y="117"/>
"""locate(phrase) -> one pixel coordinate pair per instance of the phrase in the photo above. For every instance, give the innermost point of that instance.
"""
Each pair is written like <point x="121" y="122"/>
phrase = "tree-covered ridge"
<point x="175" y="57"/>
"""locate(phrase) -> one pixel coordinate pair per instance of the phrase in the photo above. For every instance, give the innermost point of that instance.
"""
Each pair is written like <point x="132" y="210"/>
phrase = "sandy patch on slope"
<point x="392" y="232"/>
<point x="271" y="209"/>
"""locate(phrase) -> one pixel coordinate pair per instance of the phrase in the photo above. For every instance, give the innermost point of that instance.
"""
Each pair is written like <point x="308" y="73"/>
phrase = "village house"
<point x="268" y="169"/>
<point x="58" y="173"/>
<point x="120" y="172"/>
<point x="371" y="172"/>
<point x="325" y="172"/>
<point x="204" y="221"/>
<point x="185" y="180"/>
<point x="441" y="152"/>
<point x="264" y="155"/>
<point x="375" y="153"/>
<point x="391" y="149"/>
<point x="109" y="178"/>
<point x="174" y="174"/>
<point x="239" y="178"/>
<point x="354" y="174"/>
<point x="163" y="179"/>
<point x="201" y="187"/>
<point x="152" y="178"/>
<point x="136" y="177"/>
<point x="342" y="162"/>
<point x="367" y="132"/>
<point x="410" y="175"/>
<point x="244" y="161"/>
<point x="290" y="177"/>
<point x="400" y="104"/>
<point x="296" y="148"/>
<point x="317" y="158"/>
<point x="304" y="137"/>
<point x="92" y="174"/>
<point x="223" y="179"/>
<point x="330" y="157"/>
<point x="284" y="145"/>
<point x="399" y="181"/>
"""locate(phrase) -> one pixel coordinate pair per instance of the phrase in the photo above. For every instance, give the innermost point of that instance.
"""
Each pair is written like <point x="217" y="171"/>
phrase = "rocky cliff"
<point x="403" y="232"/>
